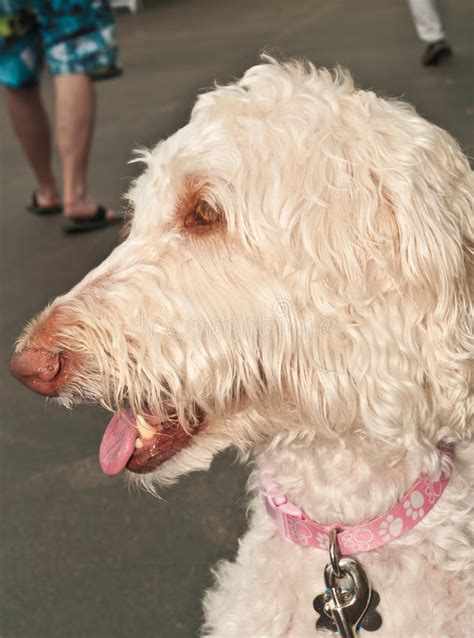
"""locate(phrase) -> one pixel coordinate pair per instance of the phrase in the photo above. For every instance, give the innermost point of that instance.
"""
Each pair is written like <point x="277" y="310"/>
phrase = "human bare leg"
<point x="30" y="122"/>
<point x="75" y="114"/>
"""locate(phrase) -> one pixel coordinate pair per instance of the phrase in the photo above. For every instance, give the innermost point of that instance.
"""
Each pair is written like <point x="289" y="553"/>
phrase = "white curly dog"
<point x="294" y="284"/>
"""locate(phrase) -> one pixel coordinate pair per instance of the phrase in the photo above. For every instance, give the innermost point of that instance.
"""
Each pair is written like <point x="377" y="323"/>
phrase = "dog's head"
<point x="294" y="267"/>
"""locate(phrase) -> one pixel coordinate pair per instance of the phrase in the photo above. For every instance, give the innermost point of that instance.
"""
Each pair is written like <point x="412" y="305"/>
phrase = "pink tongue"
<point x="118" y="442"/>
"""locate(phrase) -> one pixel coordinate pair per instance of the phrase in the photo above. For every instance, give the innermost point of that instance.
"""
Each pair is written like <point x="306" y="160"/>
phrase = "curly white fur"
<point x="325" y="332"/>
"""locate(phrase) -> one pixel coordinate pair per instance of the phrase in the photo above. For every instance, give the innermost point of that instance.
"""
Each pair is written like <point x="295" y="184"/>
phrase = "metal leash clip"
<point x="349" y="603"/>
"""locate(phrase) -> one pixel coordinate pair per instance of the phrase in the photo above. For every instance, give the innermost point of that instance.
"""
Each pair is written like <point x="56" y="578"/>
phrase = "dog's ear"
<point x="391" y="252"/>
<point x="425" y="203"/>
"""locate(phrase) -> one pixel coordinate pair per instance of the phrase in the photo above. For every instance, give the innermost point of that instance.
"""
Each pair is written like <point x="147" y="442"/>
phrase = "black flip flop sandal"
<point x="35" y="208"/>
<point x="98" y="220"/>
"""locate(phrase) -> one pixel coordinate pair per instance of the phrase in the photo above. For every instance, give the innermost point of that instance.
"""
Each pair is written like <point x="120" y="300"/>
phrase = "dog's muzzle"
<point x="39" y="369"/>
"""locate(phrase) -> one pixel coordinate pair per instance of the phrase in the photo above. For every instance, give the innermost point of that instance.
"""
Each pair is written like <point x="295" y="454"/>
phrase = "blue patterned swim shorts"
<point x="74" y="36"/>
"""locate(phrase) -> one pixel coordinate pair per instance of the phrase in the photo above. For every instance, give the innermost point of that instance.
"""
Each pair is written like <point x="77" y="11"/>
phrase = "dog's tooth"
<point x="145" y="430"/>
<point x="139" y="443"/>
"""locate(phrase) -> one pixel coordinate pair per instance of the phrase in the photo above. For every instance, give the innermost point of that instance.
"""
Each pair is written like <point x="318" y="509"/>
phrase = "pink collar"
<point x="297" y="528"/>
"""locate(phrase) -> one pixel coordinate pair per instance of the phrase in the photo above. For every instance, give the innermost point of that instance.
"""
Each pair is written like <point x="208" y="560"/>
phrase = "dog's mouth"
<point x="141" y="444"/>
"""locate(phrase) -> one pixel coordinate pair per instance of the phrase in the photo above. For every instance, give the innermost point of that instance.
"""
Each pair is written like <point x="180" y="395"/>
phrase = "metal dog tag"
<point x="348" y="604"/>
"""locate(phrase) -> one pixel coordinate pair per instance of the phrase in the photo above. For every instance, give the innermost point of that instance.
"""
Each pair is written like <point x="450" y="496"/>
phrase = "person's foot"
<point x="47" y="197"/>
<point x="86" y="208"/>
<point x="436" y="52"/>
<point x="86" y="214"/>
<point x="45" y="201"/>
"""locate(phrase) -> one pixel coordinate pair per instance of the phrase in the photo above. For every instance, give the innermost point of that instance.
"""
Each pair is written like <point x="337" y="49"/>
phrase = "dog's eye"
<point x="203" y="216"/>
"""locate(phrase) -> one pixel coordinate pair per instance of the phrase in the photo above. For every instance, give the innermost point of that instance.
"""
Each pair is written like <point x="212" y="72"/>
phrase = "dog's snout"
<point x="38" y="369"/>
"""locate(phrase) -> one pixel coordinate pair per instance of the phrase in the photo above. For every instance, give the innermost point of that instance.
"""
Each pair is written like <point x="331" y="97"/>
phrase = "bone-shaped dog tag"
<point x="347" y="610"/>
<point x="344" y="609"/>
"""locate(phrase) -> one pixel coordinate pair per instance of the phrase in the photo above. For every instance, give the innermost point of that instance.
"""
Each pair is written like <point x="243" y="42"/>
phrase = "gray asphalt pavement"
<point x="81" y="557"/>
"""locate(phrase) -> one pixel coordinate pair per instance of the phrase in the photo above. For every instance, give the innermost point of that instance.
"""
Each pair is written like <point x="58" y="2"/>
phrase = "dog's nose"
<point x="38" y="369"/>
